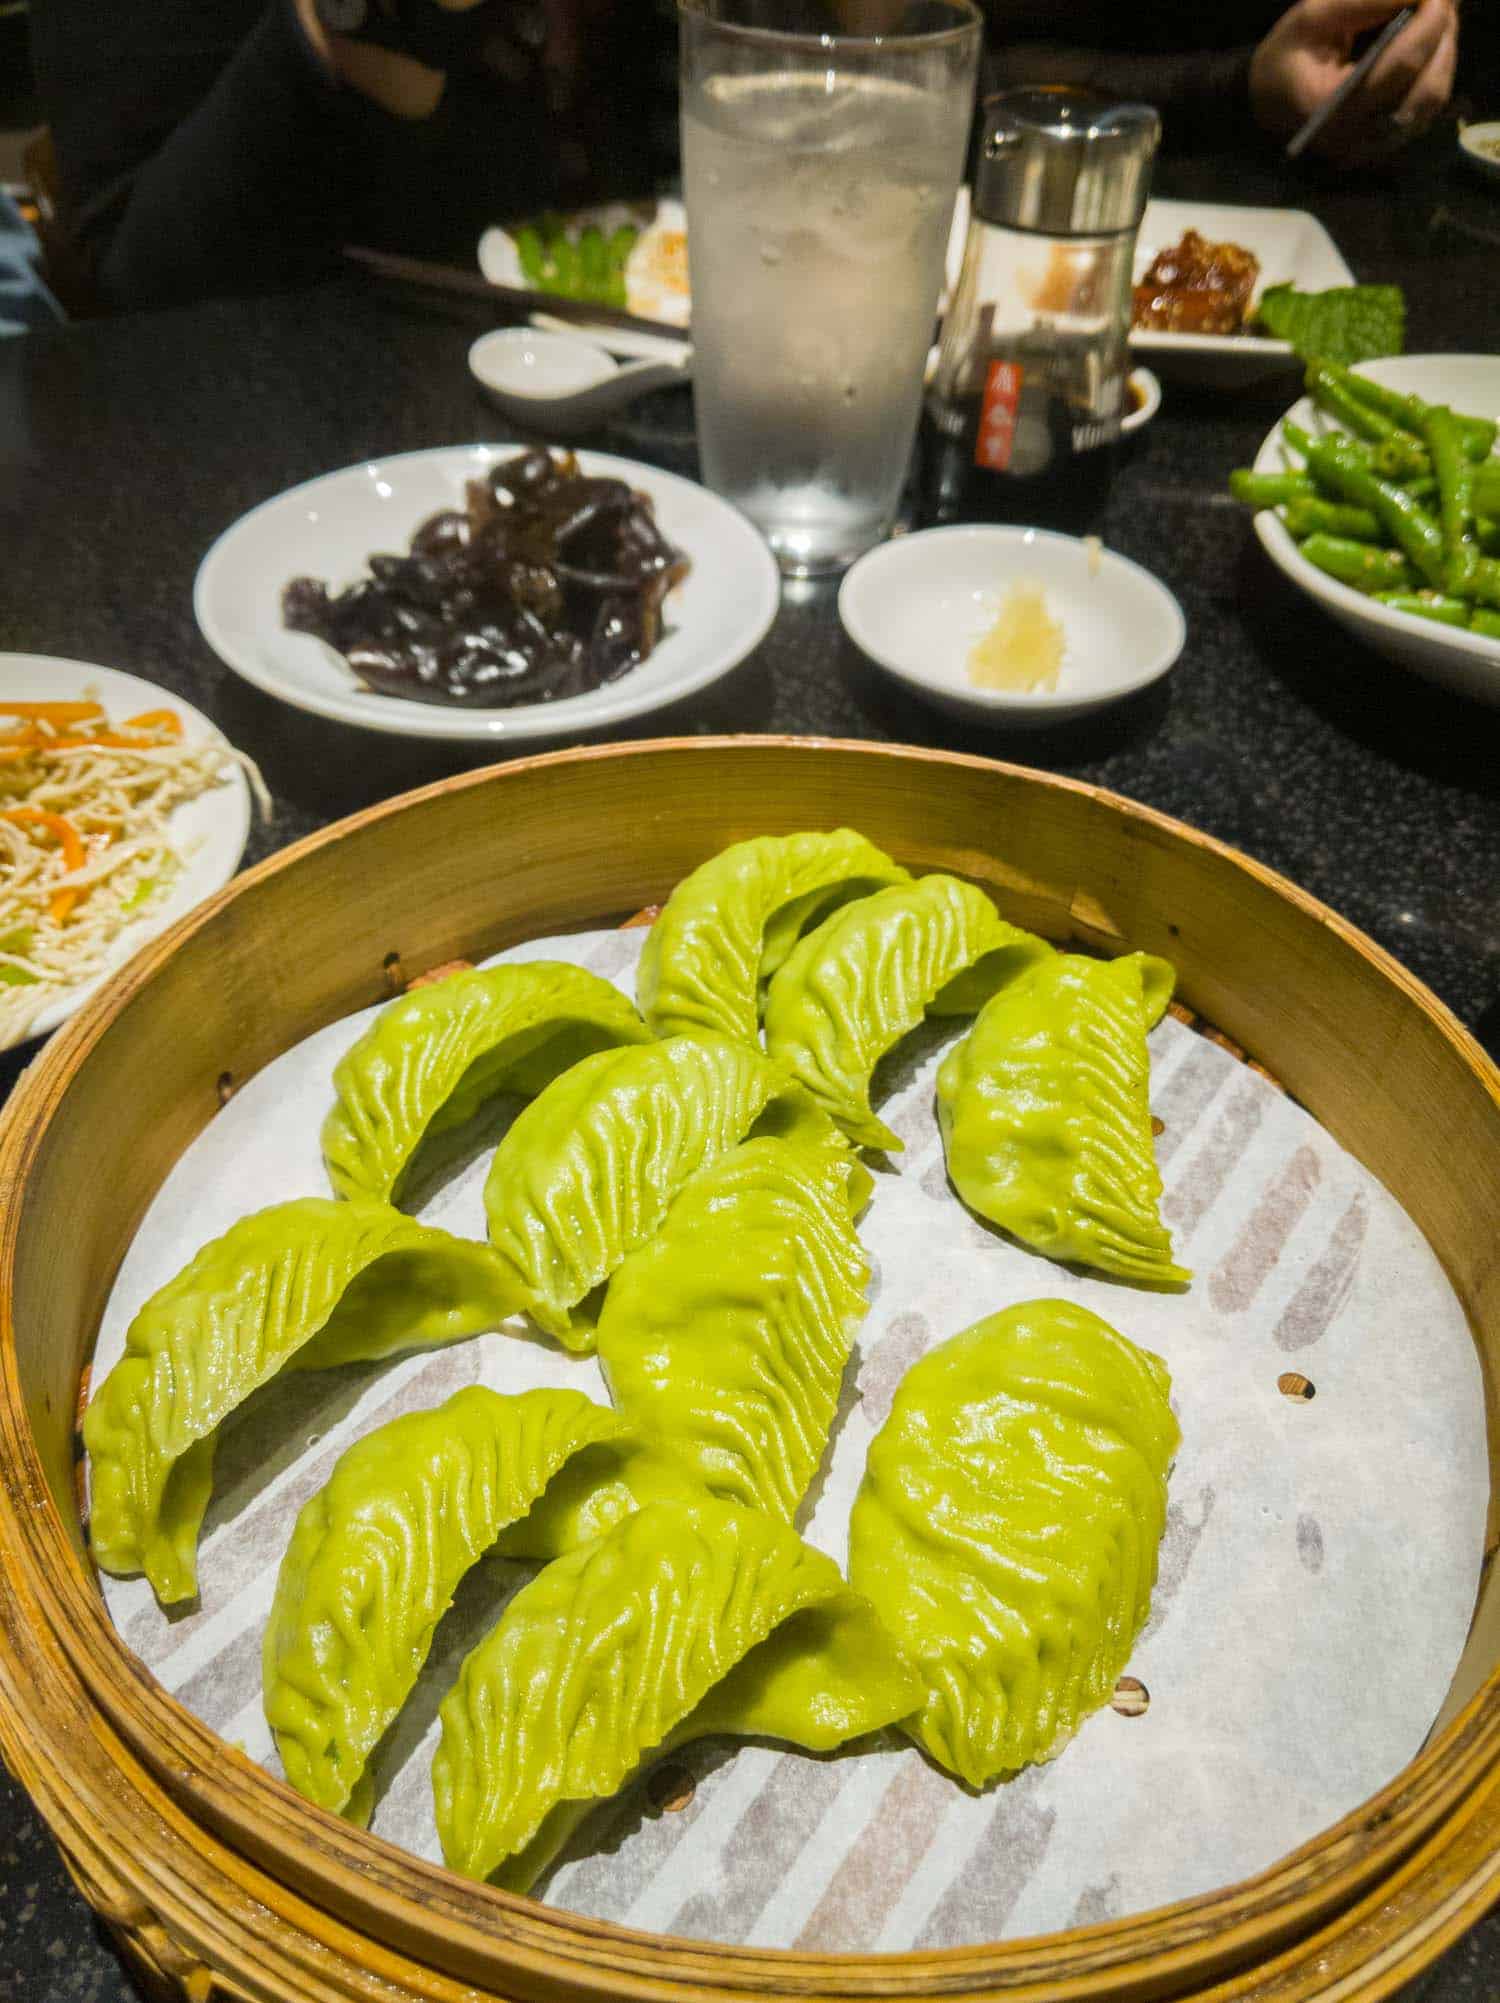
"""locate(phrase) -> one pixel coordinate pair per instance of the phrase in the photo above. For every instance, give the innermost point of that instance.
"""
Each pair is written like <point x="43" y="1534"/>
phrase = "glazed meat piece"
<point x="546" y="583"/>
<point x="1196" y="287"/>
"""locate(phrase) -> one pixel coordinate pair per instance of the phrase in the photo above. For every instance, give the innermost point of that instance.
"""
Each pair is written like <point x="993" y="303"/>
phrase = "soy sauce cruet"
<point x="1027" y="398"/>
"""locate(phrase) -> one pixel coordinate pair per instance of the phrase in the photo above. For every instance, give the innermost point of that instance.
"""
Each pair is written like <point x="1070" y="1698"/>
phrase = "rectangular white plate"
<point x="1293" y="248"/>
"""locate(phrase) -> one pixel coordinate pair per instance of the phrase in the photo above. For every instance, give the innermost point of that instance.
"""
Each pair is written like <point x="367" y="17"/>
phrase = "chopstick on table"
<point x="1309" y="131"/>
<point x="452" y="280"/>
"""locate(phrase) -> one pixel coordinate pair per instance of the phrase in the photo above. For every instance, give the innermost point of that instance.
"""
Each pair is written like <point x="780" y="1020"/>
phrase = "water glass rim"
<point x="971" y="20"/>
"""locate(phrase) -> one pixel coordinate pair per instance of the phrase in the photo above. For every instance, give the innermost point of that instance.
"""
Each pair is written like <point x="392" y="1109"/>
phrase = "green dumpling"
<point x="725" y="1337"/>
<point x="609" y="1652"/>
<point x="597" y="1489"/>
<point x="432" y="1057"/>
<point x="827" y="1675"/>
<point x="376" y="1558"/>
<point x="587" y="1171"/>
<point x="1046" y="1118"/>
<point x="1007" y="1526"/>
<point x="313" y="1282"/>
<point x="726" y="928"/>
<point x="724" y="1341"/>
<point x="853" y="988"/>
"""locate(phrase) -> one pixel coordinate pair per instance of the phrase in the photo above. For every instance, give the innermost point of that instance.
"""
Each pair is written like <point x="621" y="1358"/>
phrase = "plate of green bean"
<point x="1379" y="495"/>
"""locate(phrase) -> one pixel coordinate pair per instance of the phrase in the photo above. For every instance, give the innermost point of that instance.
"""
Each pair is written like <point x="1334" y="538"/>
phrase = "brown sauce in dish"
<point x="546" y="583"/>
<point x="1196" y="287"/>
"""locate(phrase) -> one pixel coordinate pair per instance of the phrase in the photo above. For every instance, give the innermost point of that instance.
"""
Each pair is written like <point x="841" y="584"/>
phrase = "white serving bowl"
<point x="917" y="604"/>
<point x="1468" y="662"/>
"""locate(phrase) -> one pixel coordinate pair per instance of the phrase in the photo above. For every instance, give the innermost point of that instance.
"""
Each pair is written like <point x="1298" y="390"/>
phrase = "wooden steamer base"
<point x="220" y="1882"/>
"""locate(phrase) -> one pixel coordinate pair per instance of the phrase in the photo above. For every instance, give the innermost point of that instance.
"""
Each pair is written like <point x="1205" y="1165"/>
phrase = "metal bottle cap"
<point x="1065" y="162"/>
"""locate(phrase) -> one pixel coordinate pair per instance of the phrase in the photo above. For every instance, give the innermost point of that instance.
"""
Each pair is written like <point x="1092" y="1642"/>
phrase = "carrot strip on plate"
<point x="54" y="712"/>
<point x="156" y="719"/>
<point x="73" y="851"/>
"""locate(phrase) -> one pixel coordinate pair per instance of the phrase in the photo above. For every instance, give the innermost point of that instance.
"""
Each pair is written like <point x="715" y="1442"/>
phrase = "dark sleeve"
<point x="1203" y="95"/>
<point x="200" y="146"/>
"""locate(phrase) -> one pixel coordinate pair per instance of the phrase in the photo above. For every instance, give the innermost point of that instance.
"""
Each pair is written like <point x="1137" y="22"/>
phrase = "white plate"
<point x="209" y="833"/>
<point x="1468" y="662"/>
<point x="329" y="527"/>
<point x="1293" y="248"/>
<point x="1474" y="138"/>
<point x="916" y="605"/>
<point x="500" y="262"/>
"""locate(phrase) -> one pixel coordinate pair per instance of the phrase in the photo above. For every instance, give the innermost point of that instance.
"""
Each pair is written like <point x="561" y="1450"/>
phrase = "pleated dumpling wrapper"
<point x="724" y="1341"/>
<point x="588" y="1169"/>
<point x="376" y="1558"/>
<point x="432" y="1057"/>
<point x="313" y="1281"/>
<point x="1007" y="1528"/>
<point x="728" y="926"/>
<point x="848" y="992"/>
<point x="638" y="1641"/>
<point x="1046" y="1117"/>
<point x="725" y="1337"/>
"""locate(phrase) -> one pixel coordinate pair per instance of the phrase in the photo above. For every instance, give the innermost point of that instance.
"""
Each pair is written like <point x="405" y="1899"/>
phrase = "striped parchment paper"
<point x="1317" y="1576"/>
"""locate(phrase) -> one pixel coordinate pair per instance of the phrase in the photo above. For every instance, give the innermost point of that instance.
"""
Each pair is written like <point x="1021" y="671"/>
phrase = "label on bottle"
<point x="997" y="416"/>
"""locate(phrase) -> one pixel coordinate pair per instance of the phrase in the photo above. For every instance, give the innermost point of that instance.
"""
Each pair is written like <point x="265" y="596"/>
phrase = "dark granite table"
<point x="126" y="447"/>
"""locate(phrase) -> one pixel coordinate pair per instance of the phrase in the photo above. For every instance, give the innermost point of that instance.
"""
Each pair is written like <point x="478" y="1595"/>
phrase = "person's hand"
<point x="398" y="82"/>
<point x="1309" y="52"/>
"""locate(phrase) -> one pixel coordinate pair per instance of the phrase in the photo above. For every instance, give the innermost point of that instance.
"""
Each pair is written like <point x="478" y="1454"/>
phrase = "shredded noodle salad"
<point x="84" y="843"/>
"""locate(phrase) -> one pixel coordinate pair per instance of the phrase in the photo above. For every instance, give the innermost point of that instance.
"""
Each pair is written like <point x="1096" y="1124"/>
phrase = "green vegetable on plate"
<point x="1346" y="323"/>
<point x="575" y="263"/>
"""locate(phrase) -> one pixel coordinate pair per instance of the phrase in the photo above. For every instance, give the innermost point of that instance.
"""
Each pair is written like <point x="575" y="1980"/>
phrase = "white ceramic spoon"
<point x="559" y="383"/>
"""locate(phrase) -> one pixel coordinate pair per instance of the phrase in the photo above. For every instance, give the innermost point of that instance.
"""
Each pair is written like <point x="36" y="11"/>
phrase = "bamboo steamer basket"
<point x="220" y="1882"/>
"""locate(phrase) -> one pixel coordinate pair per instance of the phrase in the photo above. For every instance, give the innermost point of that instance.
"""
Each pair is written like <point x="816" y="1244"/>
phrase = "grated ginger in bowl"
<point x="1023" y="650"/>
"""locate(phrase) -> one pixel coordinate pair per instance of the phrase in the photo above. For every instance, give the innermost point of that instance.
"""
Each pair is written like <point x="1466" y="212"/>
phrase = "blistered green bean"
<point x="1333" y="462"/>
<point x="1328" y="389"/>
<point x="1361" y="564"/>
<point x="1455" y="478"/>
<point x="1267" y="490"/>
<point x="1310" y="514"/>
<point x="1484" y="580"/>
<point x="1409" y="411"/>
<point x="1427" y="605"/>
<point x="1401" y="458"/>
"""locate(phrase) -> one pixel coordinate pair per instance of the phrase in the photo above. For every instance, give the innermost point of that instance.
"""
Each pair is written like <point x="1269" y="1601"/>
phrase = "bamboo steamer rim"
<point x="1440" y="1814"/>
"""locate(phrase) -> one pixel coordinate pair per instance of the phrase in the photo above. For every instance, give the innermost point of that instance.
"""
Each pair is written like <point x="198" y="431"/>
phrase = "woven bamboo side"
<point x="231" y="1886"/>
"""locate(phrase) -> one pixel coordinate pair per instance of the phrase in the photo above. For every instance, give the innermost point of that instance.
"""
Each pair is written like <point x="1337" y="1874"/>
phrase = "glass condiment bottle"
<point x="1025" y="406"/>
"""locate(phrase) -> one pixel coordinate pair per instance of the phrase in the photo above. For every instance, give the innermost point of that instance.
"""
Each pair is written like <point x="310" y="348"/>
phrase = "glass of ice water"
<point x="822" y="148"/>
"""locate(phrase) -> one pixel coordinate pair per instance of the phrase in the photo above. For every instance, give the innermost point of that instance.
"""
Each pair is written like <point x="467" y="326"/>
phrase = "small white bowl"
<point x="1148" y="389"/>
<point x="1476" y="139"/>
<point x="1467" y="662"/>
<point x="917" y="604"/>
